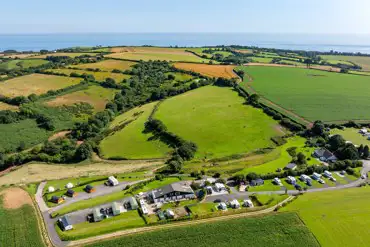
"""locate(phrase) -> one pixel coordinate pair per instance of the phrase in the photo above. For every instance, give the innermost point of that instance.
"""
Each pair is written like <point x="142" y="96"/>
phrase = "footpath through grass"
<point x="218" y="121"/>
<point x="336" y="218"/>
<point x="313" y="94"/>
<point x="272" y="230"/>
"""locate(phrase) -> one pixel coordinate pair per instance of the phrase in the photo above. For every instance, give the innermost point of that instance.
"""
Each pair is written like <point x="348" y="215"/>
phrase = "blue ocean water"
<point x="312" y="42"/>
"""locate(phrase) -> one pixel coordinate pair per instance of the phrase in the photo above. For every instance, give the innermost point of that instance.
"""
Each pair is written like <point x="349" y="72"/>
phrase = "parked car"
<point x="217" y="201"/>
<point x="363" y="176"/>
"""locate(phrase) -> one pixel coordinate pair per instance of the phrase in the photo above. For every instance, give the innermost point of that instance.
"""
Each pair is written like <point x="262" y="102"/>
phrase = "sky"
<point x="254" y="16"/>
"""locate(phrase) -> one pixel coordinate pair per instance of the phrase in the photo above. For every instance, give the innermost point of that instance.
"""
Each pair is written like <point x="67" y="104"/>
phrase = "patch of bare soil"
<point x="59" y="135"/>
<point x="15" y="198"/>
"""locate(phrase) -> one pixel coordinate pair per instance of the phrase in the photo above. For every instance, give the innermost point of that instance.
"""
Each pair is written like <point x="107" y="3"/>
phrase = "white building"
<point x="113" y="181"/>
<point x="219" y="187"/>
<point x="69" y="186"/>
<point x="51" y="189"/>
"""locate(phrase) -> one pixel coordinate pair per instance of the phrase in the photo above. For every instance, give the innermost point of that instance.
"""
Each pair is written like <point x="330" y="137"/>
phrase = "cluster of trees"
<point x="66" y="60"/>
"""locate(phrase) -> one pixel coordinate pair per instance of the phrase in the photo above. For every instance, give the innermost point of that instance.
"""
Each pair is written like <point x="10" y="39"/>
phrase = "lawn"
<point x="284" y="158"/>
<point x="350" y="134"/>
<point x="216" y="119"/>
<point x="22" y="64"/>
<point x="96" y="96"/>
<point x="99" y="76"/>
<point x="364" y="62"/>
<point x="312" y="94"/>
<point x="158" y="55"/>
<point x="107" y="65"/>
<point x="35" y="84"/>
<point x="272" y="230"/>
<point x="133" y="143"/>
<point x="209" y="70"/>
<point x="336" y="218"/>
<point x="4" y="106"/>
<point x="130" y="219"/>
<point x="19" y="227"/>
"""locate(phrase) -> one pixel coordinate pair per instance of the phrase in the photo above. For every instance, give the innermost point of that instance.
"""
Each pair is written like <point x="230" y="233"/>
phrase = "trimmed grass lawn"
<point x="35" y="83"/>
<point x="336" y="218"/>
<point x="350" y="134"/>
<point x="284" y="159"/>
<point x="130" y="142"/>
<point x="107" y="65"/>
<point x="313" y="94"/>
<point x="216" y="119"/>
<point x="168" y="56"/>
<point x="99" y="76"/>
<point x="19" y="227"/>
<point x="130" y="219"/>
<point x="272" y="230"/>
<point x="96" y="96"/>
<point x="364" y="62"/>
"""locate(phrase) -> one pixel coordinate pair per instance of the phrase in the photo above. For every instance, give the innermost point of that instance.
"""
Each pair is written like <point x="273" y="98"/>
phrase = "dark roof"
<point x="55" y="198"/>
<point x="89" y="187"/>
<point x="70" y="192"/>
<point x="322" y="152"/>
<point x="65" y="221"/>
<point x="291" y="166"/>
<point x="175" y="187"/>
<point x="258" y="181"/>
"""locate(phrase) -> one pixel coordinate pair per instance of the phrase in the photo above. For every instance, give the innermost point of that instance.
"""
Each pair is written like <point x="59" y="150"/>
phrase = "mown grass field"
<point x="364" y="62"/>
<point x="22" y="64"/>
<point x="35" y="83"/>
<point x="312" y="94"/>
<point x="133" y="143"/>
<point x="284" y="157"/>
<point x="107" y="65"/>
<point x="96" y="96"/>
<point x="62" y="54"/>
<point x="352" y="135"/>
<point x="217" y="121"/>
<point x="19" y="227"/>
<point x="99" y="76"/>
<point x="272" y="230"/>
<point x="225" y="71"/>
<point x="336" y="218"/>
<point x="4" y="106"/>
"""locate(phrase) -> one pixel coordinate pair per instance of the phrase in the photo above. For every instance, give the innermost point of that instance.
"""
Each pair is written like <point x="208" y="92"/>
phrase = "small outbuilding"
<point x="290" y="166"/>
<point x="71" y="193"/>
<point x="220" y="187"/>
<point x="291" y="180"/>
<point x="56" y="199"/>
<point x="89" y="188"/>
<point x="97" y="215"/>
<point x="144" y="210"/>
<point x="65" y="223"/>
<point x="257" y="182"/>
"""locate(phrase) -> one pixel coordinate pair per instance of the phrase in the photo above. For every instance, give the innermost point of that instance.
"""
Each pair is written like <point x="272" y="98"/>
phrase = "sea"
<point x="309" y="42"/>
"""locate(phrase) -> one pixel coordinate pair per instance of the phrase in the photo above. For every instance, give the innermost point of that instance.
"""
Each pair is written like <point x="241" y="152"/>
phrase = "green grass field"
<point x="99" y="76"/>
<point x="107" y="65"/>
<point x="364" y="62"/>
<point x="272" y="230"/>
<point x="336" y="218"/>
<point x="22" y="64"/>
<point x="168" y="56"/>
<point x="313" y="94"/>
<point x="261" y="59"/>
<point x="284" y="158"/>
<point x="218" y="122"/>
<point x="19" y="227"/>
<point x="352" y="135"/>
<point x="133" y="143"/>
<point x="96" y="96"/>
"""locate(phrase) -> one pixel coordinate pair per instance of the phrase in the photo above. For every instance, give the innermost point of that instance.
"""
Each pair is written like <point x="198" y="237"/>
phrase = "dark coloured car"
<point x="217" y="201"/>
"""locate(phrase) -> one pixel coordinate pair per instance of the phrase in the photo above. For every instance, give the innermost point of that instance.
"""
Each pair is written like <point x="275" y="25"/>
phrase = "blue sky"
<point x="265" y="16"/>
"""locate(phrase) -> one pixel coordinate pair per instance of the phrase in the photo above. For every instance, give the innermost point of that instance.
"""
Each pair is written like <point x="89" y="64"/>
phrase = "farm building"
<point x="324" y="155"/>
<point x="89" y="188"/>
<point x="51" y="189"/>
<point x="132" y="203"/>
<point x="235" y="204"/>
<point x="257" y="182"/>
<point x="56" y="199"/>
<point x="219" y="187"/>
<point x="97" y="215"/>
<point x="112" y="181"/>
<point x="117" y="208"/>
<point x="71" y="193"/>
<point x="65" y="223"/>
<point x="172" y="192"/>
<point x="69" y="186"/>
<point x="290" y="166"/>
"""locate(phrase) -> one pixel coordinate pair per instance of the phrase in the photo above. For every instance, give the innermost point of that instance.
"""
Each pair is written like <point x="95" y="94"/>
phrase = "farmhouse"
<point x="117" y="208"/>
<point x="97" y="215"/>
<point x="57" y="199"/>
<point x="89" y="189"/>
<point x="257" y="182"/>
<point x="71" y="193"/>
<point x="65" y="223"/>
<point x="172" y="192"/>
<point x="324" y="155"/>
<point x="290" y="166"/>
<point x="112" y="181"/>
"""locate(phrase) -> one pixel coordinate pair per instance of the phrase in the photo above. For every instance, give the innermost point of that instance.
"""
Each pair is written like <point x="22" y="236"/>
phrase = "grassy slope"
<point x="273" y="230"/>
<point x="19" y="227"/>
<point x="96" y="96"/>
<point x="217" y="121"/>
<point x="364" y="62"/>
<point x="130" y="142"/>
<point x="146" y="56"/>
<point x="336" y="218"/>
<point x="324" y="96"/>
<point x="352" y="135"/>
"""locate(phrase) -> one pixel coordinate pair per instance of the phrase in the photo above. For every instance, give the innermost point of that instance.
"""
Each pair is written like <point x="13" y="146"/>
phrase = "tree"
<point x="187" y="150"/>
<point x="336" y="142"/>
<point x="174" y="166"/>
<point x="301" y="158"/>
<point x="253" y="99"/>
<point x="318" y="128"/>
<point x="21" y="147"/>
<point x="45" y="122"/>
<point x="251" y="176"/>
<point x="366" y="153"/>
<point x="308" y="62"/>
<point x="83" y="152"/>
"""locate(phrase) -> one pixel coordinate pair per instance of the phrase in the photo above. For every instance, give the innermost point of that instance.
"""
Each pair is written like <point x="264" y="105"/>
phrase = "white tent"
<point x="69" y="186"/>
<point x="51" y="189"/>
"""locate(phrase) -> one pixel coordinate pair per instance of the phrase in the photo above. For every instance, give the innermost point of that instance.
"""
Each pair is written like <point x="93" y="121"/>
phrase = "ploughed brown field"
<point x="225" y="71"/>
